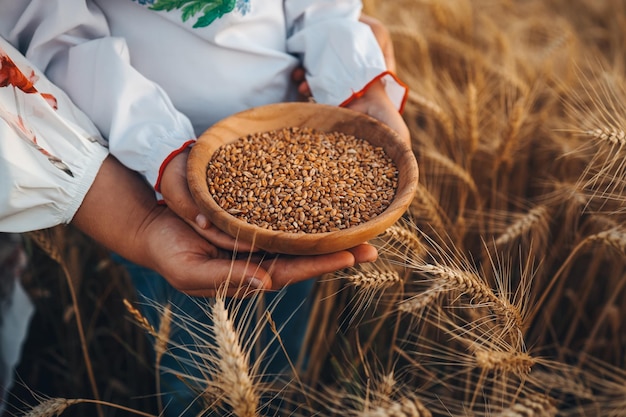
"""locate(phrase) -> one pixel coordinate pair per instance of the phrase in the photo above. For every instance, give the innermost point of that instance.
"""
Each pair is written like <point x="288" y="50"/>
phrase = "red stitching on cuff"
<point x="360" y="93"/>
<point x="167" y="160"/>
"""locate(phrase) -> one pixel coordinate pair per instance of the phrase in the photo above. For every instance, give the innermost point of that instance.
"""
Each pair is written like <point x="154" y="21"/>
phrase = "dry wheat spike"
<point x="532" y="406"/>
<point x="234" y="378"/>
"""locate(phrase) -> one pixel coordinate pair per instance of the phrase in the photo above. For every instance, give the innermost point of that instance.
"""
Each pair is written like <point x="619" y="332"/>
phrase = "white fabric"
<point x="36" y="190"/>
<point x="137" y="71"/>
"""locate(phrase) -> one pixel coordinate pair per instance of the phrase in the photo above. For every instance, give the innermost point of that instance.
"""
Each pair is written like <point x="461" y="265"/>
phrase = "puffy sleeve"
<point x="50" y="152"/>
<point x="70" y="40"/>
<point x="340" y="54"/>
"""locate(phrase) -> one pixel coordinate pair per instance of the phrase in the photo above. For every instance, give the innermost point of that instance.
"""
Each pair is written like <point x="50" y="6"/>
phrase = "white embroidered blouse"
<point x="154" y="74"/>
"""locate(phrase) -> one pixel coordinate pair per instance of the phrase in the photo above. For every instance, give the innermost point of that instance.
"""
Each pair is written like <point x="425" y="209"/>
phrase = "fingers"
<point x="364" y="253"/>
<point x="178" y="198"/>
<point x="286" y="270"/>
<point x="225" y="277"/>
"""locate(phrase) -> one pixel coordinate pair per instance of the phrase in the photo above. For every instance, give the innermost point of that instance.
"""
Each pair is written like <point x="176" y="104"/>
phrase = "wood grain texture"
<point x="316" y="116"/>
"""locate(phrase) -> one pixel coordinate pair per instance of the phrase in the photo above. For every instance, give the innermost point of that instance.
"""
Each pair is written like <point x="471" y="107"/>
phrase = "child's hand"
<point x="377" y="104"/>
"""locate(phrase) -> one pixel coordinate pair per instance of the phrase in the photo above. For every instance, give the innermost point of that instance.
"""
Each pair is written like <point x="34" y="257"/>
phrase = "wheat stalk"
<point x="50" y="408"/>
<point x="431" y="108"/>
<point x="417" y="303"/>
<point x="406" y="238"/>
<point x="614" y="238"/>
<point x="472" y="120"/>
<point x="45" y="241"/>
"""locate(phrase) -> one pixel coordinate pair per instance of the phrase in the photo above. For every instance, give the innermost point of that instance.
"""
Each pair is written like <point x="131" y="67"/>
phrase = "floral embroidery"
<point x="12" y="76"/>
<point x="210" y="10"/>
<point x="243" y="6"/>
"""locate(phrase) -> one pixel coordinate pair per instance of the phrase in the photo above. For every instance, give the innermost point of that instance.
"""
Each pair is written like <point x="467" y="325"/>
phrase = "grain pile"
<point x="302" y="180"/>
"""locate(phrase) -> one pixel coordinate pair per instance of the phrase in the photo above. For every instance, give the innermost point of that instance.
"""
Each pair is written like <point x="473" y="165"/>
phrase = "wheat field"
<point x="499" y="293"/>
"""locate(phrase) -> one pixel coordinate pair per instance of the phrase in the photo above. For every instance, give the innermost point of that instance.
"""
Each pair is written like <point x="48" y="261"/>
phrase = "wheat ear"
<point x="406" y="407"/>
<point x="234" y="378"/>
<point x="536" y="218"/>
<point x="374" y="280"/>
<point x="519" y="363"/>
<point x="537" y="405"/>
<point x="471" y="285"/>
<point x="609" y="135"/>
<point x="54" y="407"/>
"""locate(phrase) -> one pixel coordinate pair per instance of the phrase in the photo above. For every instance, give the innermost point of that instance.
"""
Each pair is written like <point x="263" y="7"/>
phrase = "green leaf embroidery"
<point x="210" y="9"/>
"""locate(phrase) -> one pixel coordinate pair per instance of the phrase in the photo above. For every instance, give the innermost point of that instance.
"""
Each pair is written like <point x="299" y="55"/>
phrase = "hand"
<point x="178" y="198"/>
<point x="377" y="104"/>
<point x="384" y="41"/>
<point x="155" y="237"/>
<point x="194" y="266"/>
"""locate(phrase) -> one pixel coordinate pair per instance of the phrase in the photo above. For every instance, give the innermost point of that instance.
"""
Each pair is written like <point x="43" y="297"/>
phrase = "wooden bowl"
<point x="319" y="117"/>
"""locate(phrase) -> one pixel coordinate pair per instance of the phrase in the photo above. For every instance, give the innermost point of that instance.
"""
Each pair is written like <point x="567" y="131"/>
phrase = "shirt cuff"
<point x="166" y="161"/>
<point x="396" y="90"/>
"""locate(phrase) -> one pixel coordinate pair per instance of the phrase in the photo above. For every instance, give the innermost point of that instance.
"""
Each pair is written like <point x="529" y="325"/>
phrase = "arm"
<point x="374" y="101"/>
<point x="109" y="202"/>
<point x="339" y="53"/>
<point x="71" y="41"/>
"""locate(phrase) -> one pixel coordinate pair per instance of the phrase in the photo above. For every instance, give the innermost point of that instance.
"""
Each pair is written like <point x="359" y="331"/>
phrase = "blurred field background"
<point x="501" y="292"/>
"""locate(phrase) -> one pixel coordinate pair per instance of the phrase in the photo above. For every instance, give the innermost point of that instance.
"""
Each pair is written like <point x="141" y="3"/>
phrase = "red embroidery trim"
<point x="167" y="160"/>
<point x="360" y="93"/>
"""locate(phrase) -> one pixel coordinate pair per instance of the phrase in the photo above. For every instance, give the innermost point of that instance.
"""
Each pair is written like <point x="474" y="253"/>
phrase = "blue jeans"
<point x="291" y="309"/>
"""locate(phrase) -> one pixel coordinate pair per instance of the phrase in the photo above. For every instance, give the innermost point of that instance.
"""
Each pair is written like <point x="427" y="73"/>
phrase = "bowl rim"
<point x="298" y="243"/>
